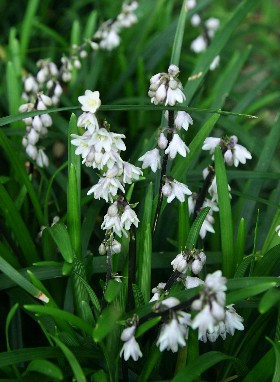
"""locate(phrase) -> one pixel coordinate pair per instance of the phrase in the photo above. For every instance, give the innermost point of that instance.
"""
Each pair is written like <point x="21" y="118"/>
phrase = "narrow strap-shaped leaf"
<point x="146" y="264"/>
<point x="183" y="225"/>
<point x="21" y="174"/>
<point x="61" y="314"/>
<point x="74" y="191"/>
<point x="195" y="228"/>
<point x="18" y="227"/>
<point x="74" y="364"/>
<point x="179" y="35"/>
<point x="61" y="237"/>
<point x="240" y="242"/>
<point x="21" y="281"/>
<point x="27" y="25"/>
<point x="228" y="261"/>
<point x="42" y="366"/>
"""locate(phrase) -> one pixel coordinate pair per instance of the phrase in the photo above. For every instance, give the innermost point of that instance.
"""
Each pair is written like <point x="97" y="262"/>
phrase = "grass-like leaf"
<point x="229" y="259"/>
<point x="61" y="237"/>
<point x="195" y="228"/>
<point x="45" y="367"/>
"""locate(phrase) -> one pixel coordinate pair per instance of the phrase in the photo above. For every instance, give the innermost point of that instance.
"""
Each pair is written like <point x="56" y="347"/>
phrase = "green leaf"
<point x="179" y="35"/>
<point x="276" y="348"/>
<point x="62" y="315"/>
<point x="17" y="226"/>
<point x="269" y="299"/>
<point x="138" y="296"/>
<point x="112" y="290"/>
<point x="74" y="364"/>
<point x="240" y="242"/>
<point x="263" y="370"/>
<point x="106" y="322"/>
<point x="13" y="89"/>
<point x="183" y="225"/>
<point x="146" y="265"/>
<point x="182" y="165"/>
<point x="74" y="191"/>
<point x="249" y="291"/>
<point x="61" y="237"/>
<point x="229" y="261"/>
<point x="268" y="263"/>
<point x="143" y="328"/>
<point x="198" y="366"/>
<point x="219" y="41"/>
<point x="246" y="208"/>
<point x="9" y="318"/>
<point x="20" y="172"/>
<point x="27" y="25"/>
<point x="21" y="281"/>
<point x="195" y="228"/>
<point x="45" y="367"/>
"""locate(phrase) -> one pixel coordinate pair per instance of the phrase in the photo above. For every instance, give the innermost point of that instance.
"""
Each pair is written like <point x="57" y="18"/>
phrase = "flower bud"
<point x="196" y="266"/>
<point x="162" y="141"/>
<point x="102" y="249"/>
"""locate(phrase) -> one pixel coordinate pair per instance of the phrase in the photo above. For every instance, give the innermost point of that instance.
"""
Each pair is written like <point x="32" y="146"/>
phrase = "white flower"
<point x="277" y="230"/>
<point x="82" y="143"/>
<point x="215" y="63"/>
<point x="177" y="146"/>
<point x="129" y="217"/>
<point x="151" y="159"/>
<point x="233" y="320"/>
<point x="170" y="302"/>
<point x="115" y="247"/>
<point x="110" y="40"/>
<point x="89" y="121"/>
<point x="33" y="137"/>
<point x="195" y="20"/>
<point x="114" y="223"/>
<point x="193" y="282"/>
<point x="106" y="188"/>
<point x="240" y="154"/>
<point x="42" y="160"/>
<point x="190" y="4"/>
<point x="37" y="123"/>
<point x="166" y="190"/>
<point x="130" y="172"/>
<point x="31" y="151"/>
<point x="102" y="249"/>
<point x="162" y="141"/>
<point x="210" y="144"/>
<point x="212" y="23"/>
<point x="90" y="101"/>
<point x="157" y="291"/>
<point x="199" y="44"/>
<point x="172" y="336"/>
<point x="46" y="120"/>
<point x="173" y="96"/>
<point x="204" y="320"/>
<point x="127" y="333"/>
<point x="179" y="190"/>
<point x="131" y="349"/>
<point x="183" y="120"/>
<point x="196" y="266"/>
<point x="180" y="263"/>
<point x="101" y="139"/>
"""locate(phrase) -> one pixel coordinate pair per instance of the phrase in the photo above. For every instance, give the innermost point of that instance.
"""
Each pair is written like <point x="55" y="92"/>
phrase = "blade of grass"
<point x="229" y="260"/>
<point x="26" y="27"/>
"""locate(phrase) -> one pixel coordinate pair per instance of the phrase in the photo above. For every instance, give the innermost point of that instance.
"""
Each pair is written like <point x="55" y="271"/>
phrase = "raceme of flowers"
<point x="208" y="30"/>
<point x="208" y="314"/>
<point x="167" y="89"/>
<point x="100" y="149"/>
<point x="45" y="88"/>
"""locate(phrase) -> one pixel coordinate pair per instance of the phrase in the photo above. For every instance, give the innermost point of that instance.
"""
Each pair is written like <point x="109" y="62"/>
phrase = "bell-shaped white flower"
<point x="42" y="160"/>
<point x="131" y="349"/>
<point x="195" y="20"/>
<point x="183" y="120"/>
<point x="172" y="336"/>
<point x="178" y="190"/>
<point x="177" y="145"/>
<point x="106" y="188"/>
<point x="233" y="321"/>
<point x="130" y="172"/>
<point x="129" y="217"/>
<point x="162" y="141"/>
<point x="193" y="282"/>
<point x="210" y="144"/>
<point x="151" y="159"/>
<point x="180" y="263"/>
<point x="90" y="101"/>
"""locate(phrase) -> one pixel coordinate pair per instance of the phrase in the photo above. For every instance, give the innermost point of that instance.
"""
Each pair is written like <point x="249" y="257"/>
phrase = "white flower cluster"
<point x="36" y="128"/>
<point x="158" y="291"/>
<point x="107" y="36"/>
<point x="100" y="149"/>
<point x="233" y="152"/>
<point x="173" y="333"/>
<point x="45" y="89"/>
<point x="119" y="218"/>
<point x="130" y="347"/>
<point x="189" y="260"/>
<point x="209" y="28"/>
<point x="166" y="87"/>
